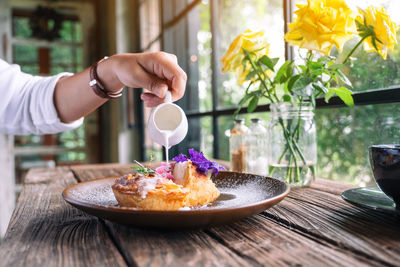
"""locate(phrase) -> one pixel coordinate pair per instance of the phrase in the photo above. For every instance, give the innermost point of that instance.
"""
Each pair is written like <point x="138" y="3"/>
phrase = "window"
<point x="150" y="38"/>
<point x="36" y="56"/>
<point x="199" y="33"/>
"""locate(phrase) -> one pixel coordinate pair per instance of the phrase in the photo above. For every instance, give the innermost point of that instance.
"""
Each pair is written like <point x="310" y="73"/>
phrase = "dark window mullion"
<point x="371" y="97"/>
<point x="287" y="18"/>
<point x="215" y="73"/>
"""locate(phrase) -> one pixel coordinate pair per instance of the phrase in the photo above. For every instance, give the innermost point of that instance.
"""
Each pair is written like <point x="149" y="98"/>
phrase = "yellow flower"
<point x="380" y="29"/>
<point x="252" y="42"/>
<point x="320" y="24"/>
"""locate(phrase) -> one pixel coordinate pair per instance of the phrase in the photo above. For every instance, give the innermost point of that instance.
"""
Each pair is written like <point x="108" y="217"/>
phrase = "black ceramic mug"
<point x="385" y="163"/>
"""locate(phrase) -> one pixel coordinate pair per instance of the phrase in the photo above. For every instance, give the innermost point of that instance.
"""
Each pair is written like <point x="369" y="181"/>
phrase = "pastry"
<point x="183" y="184"/>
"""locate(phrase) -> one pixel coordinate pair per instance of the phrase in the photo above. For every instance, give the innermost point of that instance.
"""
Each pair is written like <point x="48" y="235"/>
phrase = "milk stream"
<point x="166" y="134"/>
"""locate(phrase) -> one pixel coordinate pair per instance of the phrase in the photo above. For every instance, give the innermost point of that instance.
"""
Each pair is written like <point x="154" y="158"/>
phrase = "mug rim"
<point x="385" y="146"/>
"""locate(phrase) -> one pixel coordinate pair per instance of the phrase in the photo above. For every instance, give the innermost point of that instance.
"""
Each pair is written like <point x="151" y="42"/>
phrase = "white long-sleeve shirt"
<point x="26" y="103"/>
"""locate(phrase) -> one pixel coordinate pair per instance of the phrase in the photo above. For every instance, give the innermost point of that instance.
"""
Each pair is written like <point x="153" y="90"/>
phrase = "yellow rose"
<point x="249" y="40"/>
<point x="383" y="35"/>
<point x="320" y="24"/>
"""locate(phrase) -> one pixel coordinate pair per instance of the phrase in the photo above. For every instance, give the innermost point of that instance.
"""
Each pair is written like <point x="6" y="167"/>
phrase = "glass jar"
<point x="257" y="161"/>
<point x="237" y="146"/>
<point x="292" y="150"/>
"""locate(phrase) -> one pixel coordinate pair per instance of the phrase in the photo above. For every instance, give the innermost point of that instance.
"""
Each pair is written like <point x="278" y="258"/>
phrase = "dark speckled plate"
<point x="242" y="195"/>
<point x="371" y="198"/>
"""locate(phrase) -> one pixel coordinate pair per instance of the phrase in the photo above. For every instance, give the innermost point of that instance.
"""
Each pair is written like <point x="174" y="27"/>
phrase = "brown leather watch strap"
<point x="97" y="86"/>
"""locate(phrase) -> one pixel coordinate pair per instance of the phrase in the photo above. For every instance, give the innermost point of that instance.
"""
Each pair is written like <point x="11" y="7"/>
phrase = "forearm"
<point x="157" y="72"/>
<point x="74" y="98"/>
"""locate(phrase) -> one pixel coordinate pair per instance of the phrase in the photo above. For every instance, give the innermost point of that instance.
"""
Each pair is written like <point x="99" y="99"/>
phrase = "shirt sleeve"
<point x="26" y="103"/>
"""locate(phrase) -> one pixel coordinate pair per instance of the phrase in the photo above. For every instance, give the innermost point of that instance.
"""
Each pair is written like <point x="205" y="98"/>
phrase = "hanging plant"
<point x="46" y="23"/>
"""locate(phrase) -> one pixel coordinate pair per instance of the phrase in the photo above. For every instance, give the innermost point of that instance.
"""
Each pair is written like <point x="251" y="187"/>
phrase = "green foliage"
<point x="294" y="82"/>
<point x="142" y="169"/>
<point x="343" y="134"/>
<point x="21" y="27"/>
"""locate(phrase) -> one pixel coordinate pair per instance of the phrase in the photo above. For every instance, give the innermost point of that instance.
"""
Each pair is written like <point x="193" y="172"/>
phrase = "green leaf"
<point x="300" y="87"/>
<point x="253" y="104"/>
<point x="344" y="79"/>
<point x="335" y="66"/>
<point x="280" y="75"/>
<point x="275" y="60"/>
<point x="142" y="169"/>
<point x="287" y="98"/>
<point x="244" y="99"/>
<point x="313" y="101"/>
<point x="329" y="95"/>
<point x="291" y="82"/>
<point x="315" y="65"/>
<point x="303" y="68"/>
<point x="250" y="75"/>
<point x="323" y="59"/>
<point x="289" y="72"/>
<point x="320" y="87"/>
<point x="248" y="87"/>
<point x="269" y="62"/>
<point x="343" y="93"/>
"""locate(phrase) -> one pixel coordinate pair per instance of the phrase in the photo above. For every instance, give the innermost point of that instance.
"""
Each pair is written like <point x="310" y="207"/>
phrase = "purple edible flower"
<point x="204" y="165"/>
<point x="180" y="158"/>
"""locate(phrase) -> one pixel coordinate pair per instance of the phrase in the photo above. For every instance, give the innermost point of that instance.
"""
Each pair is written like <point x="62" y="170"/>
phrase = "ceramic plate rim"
<point x="129" y="210"/>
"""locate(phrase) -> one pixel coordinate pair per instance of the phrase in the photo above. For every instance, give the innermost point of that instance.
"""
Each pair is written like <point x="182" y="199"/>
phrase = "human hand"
<point x="156" y="72"/>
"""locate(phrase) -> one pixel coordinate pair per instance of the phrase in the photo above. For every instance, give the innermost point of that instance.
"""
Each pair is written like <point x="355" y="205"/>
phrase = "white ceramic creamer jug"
<point x="167" y="124"/>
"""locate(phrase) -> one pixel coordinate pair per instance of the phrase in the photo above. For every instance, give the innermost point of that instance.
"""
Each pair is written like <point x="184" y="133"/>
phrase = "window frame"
<point x="369" y="97"/>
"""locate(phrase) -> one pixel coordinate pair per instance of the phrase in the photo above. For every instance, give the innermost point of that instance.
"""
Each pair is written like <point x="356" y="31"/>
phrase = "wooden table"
<point x="311" y="227"/>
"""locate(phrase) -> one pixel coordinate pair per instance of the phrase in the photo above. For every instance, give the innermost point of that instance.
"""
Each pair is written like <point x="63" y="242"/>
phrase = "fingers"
<point x="157" y="86"/>
<point x="165" y="67"/>
<point x="151" y="100"/>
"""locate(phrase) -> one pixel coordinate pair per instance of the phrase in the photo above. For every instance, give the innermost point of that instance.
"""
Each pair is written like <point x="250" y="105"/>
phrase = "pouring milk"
<point x="167" y="124"/>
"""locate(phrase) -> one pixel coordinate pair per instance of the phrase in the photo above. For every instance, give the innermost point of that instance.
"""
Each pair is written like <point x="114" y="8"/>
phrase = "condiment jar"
<point x="237" y="146"/>
<point x="257" y="160"/>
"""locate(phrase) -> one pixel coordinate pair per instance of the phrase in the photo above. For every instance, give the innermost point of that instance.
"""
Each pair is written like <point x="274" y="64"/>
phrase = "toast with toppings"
<point x="183" y="184"/>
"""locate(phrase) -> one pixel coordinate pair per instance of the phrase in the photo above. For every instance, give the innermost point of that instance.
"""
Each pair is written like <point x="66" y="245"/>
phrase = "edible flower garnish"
<point x="203" y="165"/>
<point x="142" y="169"/>
<point x="165" y="170"/>
<point x="180" y="158"/>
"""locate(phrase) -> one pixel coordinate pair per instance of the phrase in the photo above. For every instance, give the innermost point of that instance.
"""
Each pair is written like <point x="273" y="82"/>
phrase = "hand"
<point x="157" y="72"/>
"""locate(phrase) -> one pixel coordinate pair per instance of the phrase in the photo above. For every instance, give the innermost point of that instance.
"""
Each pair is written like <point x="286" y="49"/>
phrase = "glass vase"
<point x="292" y="153"/>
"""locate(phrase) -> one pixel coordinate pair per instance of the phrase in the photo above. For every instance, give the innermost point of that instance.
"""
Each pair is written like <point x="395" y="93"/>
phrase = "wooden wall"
<point x="7" y="179"/>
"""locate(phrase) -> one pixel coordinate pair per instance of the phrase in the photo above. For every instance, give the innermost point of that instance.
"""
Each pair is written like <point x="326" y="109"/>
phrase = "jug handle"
<point x="168" y="97"/>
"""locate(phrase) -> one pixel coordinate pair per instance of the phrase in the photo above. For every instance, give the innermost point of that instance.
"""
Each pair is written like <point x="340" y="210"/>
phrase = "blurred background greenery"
<point x="344" y="134"/>
<point x="34" y="56"/>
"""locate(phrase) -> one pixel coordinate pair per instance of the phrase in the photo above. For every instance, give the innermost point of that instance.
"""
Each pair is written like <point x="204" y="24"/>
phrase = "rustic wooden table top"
<point x="311" y="227"/>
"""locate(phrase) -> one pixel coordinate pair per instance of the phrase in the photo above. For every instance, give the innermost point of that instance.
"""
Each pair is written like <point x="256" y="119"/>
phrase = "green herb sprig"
<point x="142" y="169"/>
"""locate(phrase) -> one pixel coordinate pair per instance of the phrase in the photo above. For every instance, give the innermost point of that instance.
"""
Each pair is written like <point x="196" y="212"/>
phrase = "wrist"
<point x="106" y="71"/>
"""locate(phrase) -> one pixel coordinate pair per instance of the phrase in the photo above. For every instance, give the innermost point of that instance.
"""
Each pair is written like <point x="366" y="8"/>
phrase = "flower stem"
<point x="354" y="49"/>
<point x="289" y="137"/>
<point x="253" y="65"/>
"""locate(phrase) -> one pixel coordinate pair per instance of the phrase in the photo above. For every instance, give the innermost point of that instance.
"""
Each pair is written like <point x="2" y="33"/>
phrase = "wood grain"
<point x="162" y="248"/>
<point x="87" y="172"/>
<point x="234" y="244"/>
<point x="265" y="243"/>
<point x="172" y="248"/>
<point x="329" y="186"/>
<point x="45" y="231"/>
<point x="311" y="227"/>
<point x="328" y="218"/>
